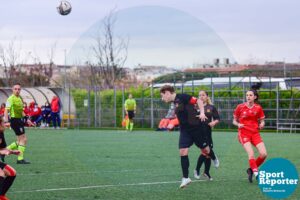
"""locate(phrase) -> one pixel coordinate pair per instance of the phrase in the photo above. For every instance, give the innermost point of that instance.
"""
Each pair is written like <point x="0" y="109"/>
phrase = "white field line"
<point x="100" y="186"/>
<point x="87" y="172"/>
<point x="112" y="185"/>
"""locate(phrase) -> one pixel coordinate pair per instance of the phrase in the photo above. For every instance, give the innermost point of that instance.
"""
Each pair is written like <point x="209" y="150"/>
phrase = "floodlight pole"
<point x="65" y="68"/>
<point x="65" y="85"/>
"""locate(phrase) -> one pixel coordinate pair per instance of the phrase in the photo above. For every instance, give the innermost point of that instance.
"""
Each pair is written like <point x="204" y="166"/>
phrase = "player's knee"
<point x="205" y="151"/>
<point x="183" y="152"/>
<point x="23" y="140"/>
<point x="263" y="154"/>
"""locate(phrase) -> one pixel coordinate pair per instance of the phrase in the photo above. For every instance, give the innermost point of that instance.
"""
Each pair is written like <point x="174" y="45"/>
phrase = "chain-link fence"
<point x="96" y="108"/>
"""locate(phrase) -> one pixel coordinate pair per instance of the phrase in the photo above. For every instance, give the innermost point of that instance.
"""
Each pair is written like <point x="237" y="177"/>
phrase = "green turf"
<point x="118" y="162"/>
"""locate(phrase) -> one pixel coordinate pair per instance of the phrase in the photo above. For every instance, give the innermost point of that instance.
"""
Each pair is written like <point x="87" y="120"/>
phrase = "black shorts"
<point x="207" y="132"/>
<point x="17" y="124"/>
<point x="130" y="114"/>
<point x="193" y="134"/>
<point x="2" y="165"/>
<point x="2" y="141"/>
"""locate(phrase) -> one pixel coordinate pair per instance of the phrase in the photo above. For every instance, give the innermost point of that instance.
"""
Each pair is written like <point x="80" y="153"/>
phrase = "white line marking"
<point x="88" y="172"/>
<point x="101" y="186"/>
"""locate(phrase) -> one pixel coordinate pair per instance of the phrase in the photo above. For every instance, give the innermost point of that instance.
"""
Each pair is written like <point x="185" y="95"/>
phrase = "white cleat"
<point x="216" y="162"/>
<point x="255" y="174"/>
<point x="207" y="177"/>
<point x="185" y="182"/>
<point x="196" y="175"/>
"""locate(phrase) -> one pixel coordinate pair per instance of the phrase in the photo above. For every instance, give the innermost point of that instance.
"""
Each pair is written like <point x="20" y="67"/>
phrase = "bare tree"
<point x="17" y="69"/>
<point x="110" y="52"/>
<point x="40" y="73"/>
<point x="10" y="57"/>
<point x="5" y="64"/>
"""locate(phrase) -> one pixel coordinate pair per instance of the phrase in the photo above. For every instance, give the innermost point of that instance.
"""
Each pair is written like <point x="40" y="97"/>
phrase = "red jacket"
<point x="26" y="110"/>
<point x="2" y="111"/>
<point x="34" y="111"/>
<point x="55" y="105"/>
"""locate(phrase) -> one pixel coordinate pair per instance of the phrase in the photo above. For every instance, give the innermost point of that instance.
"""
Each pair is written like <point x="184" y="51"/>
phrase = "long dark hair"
<point x="254" y="89"/>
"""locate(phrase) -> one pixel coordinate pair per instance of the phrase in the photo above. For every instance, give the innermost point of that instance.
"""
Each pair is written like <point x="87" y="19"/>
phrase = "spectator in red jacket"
<point x="26" y="109"/>
<point x="2" y="109"/>
<point x="45" y="117"/>
<point x="34" y="111"/>
<point x="26" y="112"/>
<point x="55" y="112"/>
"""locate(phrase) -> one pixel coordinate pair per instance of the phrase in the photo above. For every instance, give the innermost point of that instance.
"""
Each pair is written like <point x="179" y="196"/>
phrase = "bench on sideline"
<point x="289" y="126"/>
<point x="65" y="118"/>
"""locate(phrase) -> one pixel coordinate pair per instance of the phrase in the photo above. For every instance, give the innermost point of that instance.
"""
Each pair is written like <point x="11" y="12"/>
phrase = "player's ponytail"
<point x="254" y="89"/>
<point x="209" y="100"/>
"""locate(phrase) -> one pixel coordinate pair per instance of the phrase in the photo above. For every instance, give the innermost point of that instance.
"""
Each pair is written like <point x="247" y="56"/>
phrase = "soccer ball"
<point x="64" y="8"/>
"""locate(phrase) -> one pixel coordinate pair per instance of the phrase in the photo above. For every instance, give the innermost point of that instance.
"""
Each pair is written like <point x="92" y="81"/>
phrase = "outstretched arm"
<point x="213" y="123"/>
<point x="9" y="152"/>
<point x="201" y="108"/>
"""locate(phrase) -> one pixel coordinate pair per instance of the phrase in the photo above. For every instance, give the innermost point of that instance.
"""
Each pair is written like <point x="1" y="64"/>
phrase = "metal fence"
<point x="97" y="108"/>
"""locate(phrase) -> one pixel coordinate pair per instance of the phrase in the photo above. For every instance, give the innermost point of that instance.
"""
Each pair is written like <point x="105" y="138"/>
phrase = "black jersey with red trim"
<point x="2" y="140"/>
<point x="185" y="110"/>
<point x="211" y="113"/>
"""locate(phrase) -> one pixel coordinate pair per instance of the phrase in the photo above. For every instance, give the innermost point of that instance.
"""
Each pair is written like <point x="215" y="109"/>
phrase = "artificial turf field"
<point x="100" y="164"/>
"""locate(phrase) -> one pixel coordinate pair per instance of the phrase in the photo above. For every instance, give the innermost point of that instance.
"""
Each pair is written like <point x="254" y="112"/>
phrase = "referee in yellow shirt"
<point x="130" y="109"/>
<point x="14" y="106"/>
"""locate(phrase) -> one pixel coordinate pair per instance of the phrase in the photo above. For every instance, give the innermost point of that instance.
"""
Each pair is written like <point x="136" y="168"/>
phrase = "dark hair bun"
<point x="256" y="86"/>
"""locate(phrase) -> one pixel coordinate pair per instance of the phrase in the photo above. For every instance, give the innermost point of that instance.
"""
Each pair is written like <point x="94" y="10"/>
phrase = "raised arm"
<point x="201" y="108"/>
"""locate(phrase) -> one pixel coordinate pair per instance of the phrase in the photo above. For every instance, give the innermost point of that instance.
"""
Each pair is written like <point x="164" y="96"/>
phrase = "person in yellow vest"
<point x="130" y="109"/>
<point x="14" y="106"/>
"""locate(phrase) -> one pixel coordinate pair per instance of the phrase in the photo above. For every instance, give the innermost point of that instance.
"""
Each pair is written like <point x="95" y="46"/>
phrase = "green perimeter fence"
<point x="97" y="108"/>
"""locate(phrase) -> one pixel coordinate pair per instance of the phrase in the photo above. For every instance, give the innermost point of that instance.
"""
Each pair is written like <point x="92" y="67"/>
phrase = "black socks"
<point x="185" y="163"/>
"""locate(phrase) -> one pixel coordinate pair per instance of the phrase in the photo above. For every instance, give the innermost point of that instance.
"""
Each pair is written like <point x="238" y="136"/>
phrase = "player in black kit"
<point x="212" y="119"/>
<point x="7" y="173"/>
<point x="189" y="124"/>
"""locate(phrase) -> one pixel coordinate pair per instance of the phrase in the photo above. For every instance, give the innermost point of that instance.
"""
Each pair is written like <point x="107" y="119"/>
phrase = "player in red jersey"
<point x="249" y="118"/>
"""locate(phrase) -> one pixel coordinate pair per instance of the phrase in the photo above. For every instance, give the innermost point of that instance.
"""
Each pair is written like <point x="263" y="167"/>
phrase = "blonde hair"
<point x="208" y="98"/>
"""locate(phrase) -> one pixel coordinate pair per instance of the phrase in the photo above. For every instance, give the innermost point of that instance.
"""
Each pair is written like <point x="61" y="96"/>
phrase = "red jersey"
<point x="26" y="111"/>
<point x="248" y="116"/>
<point x="55" y="104"/>
<point x="36" y="111"/>
<point x="2" y="109"/>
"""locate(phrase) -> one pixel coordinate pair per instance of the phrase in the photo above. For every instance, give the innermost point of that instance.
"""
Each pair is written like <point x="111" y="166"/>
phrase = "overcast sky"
<point x="252" y="31"/>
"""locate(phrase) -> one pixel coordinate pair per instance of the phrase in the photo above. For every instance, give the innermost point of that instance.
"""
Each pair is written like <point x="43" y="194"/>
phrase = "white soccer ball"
<point x="64" y="8"/>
